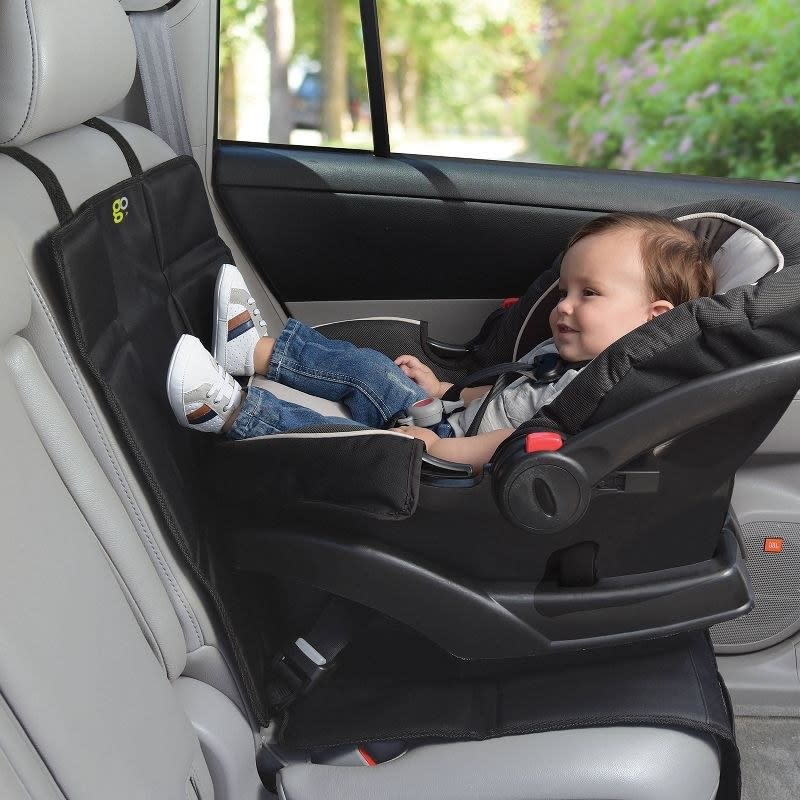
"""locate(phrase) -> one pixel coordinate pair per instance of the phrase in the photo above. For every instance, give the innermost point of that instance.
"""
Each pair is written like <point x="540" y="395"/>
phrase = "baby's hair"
<point x="677" y="266"/>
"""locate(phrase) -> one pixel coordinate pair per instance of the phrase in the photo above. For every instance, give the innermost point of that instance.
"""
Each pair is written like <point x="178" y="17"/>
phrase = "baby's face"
<point x="603" y="294"/>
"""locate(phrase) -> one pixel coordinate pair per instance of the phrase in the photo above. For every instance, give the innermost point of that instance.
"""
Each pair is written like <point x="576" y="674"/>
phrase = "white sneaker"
<point x="202" y="395"/>
<point x="237" y="324"/>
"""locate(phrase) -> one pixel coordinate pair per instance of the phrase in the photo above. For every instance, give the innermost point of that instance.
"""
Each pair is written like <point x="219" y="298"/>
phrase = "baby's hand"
<point x="421" y="374"/>
<point x="427" y="435"/>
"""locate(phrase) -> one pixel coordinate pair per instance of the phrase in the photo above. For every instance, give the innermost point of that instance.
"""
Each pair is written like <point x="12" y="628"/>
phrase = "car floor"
<point x="770" y="750"/>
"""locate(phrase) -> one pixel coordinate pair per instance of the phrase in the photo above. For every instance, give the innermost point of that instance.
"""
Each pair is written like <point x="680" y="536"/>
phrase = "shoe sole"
<point x="220" y="323"/>
<point x="173" y="390"/>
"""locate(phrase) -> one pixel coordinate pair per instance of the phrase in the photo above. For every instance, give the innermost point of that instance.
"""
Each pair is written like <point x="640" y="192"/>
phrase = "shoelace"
<point x="218" y="389"/>
<point x="254" y="311"/>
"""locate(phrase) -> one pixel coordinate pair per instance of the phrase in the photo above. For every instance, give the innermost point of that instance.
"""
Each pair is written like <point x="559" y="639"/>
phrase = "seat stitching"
<point x="33" y="75"/>
<point x="144" y="527"/>
<point x="15" y="772"/>
<point x="141" y="617"/>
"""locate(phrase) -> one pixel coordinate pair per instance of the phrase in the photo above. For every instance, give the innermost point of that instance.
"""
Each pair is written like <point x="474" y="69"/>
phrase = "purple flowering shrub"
<point x="706" y="87"/>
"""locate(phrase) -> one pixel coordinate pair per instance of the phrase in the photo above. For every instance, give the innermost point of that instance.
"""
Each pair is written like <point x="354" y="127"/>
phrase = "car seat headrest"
<point x="741" y="254"/>
<point x="60" y="64"/>
<point x="142" y="5"/>
<point x="15" y="299"/>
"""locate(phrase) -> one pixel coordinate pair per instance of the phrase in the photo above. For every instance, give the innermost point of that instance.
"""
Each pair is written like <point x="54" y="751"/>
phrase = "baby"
<point x="618" y="272"/>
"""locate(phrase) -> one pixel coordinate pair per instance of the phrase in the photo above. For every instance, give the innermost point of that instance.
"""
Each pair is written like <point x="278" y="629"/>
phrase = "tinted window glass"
<point x="708" y="87"/>
<point x="292" y="72"/>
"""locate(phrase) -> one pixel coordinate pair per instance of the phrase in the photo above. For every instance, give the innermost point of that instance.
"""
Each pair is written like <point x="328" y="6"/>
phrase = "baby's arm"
<point x="423" y="376"/>
<point x="472" y="392"/>
<point x="474" y="450"/>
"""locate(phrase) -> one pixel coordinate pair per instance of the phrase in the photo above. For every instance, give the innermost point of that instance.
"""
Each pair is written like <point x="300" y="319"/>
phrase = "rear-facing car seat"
<point x="67" y="150"/>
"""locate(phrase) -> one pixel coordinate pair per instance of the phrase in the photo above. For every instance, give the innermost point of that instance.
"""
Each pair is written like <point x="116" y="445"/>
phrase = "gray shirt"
<point x="517" y="403"/>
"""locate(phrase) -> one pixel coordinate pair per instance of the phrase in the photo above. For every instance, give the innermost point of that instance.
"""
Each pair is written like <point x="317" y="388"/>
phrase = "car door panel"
<point x="331" y="227"/>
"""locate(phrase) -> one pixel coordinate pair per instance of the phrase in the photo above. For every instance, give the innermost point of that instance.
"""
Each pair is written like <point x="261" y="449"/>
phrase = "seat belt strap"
<point x="309" y="658"/>
<point x="159" y="73"/>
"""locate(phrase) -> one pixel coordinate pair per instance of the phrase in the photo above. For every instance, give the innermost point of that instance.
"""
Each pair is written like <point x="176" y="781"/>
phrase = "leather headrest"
<point x="143" y="5"/>
<point x="15" y="299"/>
<point x="60" y="64"/>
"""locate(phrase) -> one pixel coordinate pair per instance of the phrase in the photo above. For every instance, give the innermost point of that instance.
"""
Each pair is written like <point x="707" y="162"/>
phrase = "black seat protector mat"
<point x="138" y="263"/>
<point x="670" y="682"/>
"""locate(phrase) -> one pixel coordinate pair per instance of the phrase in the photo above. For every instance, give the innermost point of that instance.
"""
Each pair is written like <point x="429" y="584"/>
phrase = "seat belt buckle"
<point x="302" y="666"/>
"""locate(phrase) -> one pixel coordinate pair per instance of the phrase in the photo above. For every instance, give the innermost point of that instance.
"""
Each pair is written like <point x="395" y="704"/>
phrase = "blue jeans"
<point x="370" y="385"/>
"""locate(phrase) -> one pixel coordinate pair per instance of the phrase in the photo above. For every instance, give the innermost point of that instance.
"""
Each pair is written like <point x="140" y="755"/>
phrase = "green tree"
<point x="329" y="32"/>
<point x="706" y="87"/>
<point x="279" y="27"/>
<point x="234" y="23"/>
<point x="334" y="70"/>
<point x="457" y="64"/>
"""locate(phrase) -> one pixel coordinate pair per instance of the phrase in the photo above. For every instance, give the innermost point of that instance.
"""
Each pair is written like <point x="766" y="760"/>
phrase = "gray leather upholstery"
<point x="80" y="678"/>
<point x="15" y="298"/>
<point x="619" y="763"/>
<point x="226" y="739"/>
<point x="79" y="684"/>
<point x="23" y="774"/>
<point x="100" y="505"/>
<point x="50" y="53"/>
<point x="143" y="5"/>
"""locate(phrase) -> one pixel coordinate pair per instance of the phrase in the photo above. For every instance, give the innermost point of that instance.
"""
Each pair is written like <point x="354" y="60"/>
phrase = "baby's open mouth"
<point x="565" y="329"/>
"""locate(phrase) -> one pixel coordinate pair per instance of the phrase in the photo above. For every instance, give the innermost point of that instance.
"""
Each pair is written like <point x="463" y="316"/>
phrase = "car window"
<point x="705" y="87"/>
<point x="293" y="72"/>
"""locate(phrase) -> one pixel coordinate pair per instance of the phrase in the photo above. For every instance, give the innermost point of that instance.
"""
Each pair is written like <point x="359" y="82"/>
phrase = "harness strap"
<point x="501" y="383"/>
<point x="134" y="165"/>
<point x="489" y="374"/>
<point x="545" y="368"/>
<point x="47" y="178"/>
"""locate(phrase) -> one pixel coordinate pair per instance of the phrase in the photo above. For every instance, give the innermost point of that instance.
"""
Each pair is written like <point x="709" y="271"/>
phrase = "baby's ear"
<point x="659" y="307"/>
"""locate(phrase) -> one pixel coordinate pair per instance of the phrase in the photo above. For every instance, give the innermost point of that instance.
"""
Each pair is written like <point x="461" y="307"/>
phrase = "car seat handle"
<point x="548" y="491"/>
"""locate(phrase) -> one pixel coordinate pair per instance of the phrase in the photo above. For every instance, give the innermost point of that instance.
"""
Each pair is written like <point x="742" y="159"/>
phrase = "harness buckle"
<point x="430" y="411"/>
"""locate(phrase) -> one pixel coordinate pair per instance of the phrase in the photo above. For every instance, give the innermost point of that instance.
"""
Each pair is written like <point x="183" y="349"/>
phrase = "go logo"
<point x="119" y="209"/>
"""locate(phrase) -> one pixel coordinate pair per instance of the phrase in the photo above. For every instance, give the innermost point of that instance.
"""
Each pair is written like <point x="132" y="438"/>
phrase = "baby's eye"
<point x="587" y="292"/>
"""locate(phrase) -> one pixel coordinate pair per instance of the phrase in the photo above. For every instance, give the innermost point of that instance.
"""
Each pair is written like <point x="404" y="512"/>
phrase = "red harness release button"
<point x="508" y="302"/>
<point x="543" y="442"/>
